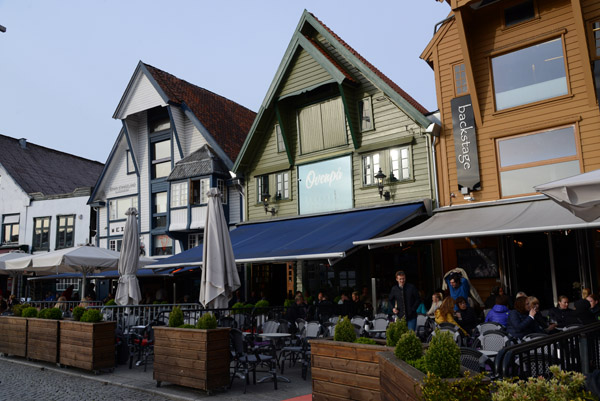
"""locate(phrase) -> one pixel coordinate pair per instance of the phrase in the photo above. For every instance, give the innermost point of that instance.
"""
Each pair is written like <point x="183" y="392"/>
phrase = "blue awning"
<point x="106" y="274"/>
<point x="316" y="237"/>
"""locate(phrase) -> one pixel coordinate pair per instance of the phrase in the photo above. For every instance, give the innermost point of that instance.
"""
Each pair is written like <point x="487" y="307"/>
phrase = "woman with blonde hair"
<point x="61" y="303"/>
<point x="445" y="313"/>
<point x="436" y="302"/>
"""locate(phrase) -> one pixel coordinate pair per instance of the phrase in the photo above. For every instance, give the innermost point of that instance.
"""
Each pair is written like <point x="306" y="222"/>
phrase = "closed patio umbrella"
<point x="219" y="274"/>
<point x="128" y="291"/>
<point x="580" y="194"/>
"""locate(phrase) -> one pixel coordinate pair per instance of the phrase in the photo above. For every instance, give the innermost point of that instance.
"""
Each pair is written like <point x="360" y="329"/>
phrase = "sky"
<point x="64" y="65"/>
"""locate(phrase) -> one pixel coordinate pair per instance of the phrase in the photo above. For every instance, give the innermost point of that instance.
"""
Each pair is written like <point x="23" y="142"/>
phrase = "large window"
<point x="199" y="189"/>
<point x="536" y="158"/>
<point x="41" y="234"/>
<point x="283" y="185"/>
<point x="262" y="187"/>
<point x="159" y="210"/>
<point x="163" y="245"/>
<point x="118" y="207"/>
<point x="10" y="229"/>
<point x="65" y="231"/>
<point x="365" y="112"/>
<point x="161" y="158"/>
<point x="370" y="168"/>
<point x="529" y="75"/>
<point x="179" y="194"/>
<point x="400" y="163"/>
<point x="322" y="126"/>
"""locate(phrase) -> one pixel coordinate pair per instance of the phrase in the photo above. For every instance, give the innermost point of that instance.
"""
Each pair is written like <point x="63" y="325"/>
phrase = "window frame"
<point x="201" y="192"/>
<point x="262" y="184"/>
<point x="155" y="162"/>
<point x="455" y="80"/>
<point x="222" y="187"/>
<point x="179" y="199"/>
<point x="111" y="207"/>
<point x="323" y="146"/>
<point x="12" y="225"/>
<point x="35" y="240"/>
<point x="375" y="168"/>
<point x="594" y="46"/>
<point x="66" y="226"/>
<point x="115" y="244"/>
<point x="361" y="108"/>
<point x="195" y="238"/>
<point x="129" y="162"/>
<point x="401" y="166"/>
<point x="157" y="214"/>
<point x="154" y="248"/>
<point x="279" y="139"/>
<point x="283" y="193"/>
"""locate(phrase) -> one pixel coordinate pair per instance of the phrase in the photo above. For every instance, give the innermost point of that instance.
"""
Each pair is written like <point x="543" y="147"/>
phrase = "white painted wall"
<point x="142" y="96"/>
<point x="13" y="200"/>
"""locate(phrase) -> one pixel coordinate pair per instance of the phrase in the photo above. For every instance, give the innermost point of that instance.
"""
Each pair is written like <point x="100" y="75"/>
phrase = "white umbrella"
<point x="219" y="274"/>
<point x="580" y="194"/>
<point x="9" y="256"/>
<point x="128" y="291"/>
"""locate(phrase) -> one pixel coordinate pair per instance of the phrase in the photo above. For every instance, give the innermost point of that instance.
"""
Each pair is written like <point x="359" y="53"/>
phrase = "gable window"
<point x="163" y="245"/>
<point x="65" y="232"/>
<point x="158" y="119"/>
<point x="262" y="187"/>
<point x="280" y="142"/>
<point x="118" y="207"/>
<point x="535" y="158"/>
<point x="194" y="240"/>
<point x="531" y="74"/>
<point x="161" y="158"/>
<point x="222" y="187"/>
<point x="370" y="168"/>
<point x="179" y="194"/>
<point x="400" y="163"/>
<point x="10" y="229"/>
<point x="159" y="210"/>
<point x="283" y="185"/>
<point x="115" y="244"/>
<point x="519" y="13"/>
<point x="199" y="189"/>
<point x="460" y="79"/>
<point x="322" y="126"/>
<point x="130" y="166"/>
<point x="41" y="234"/>
<point x="365" y="111"/>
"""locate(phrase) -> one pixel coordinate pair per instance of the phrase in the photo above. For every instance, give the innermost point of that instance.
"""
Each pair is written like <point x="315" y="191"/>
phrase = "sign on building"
<point x="325" y="186"/>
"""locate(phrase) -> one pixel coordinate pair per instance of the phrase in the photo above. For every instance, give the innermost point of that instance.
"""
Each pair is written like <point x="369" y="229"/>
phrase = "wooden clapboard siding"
<point x="347" y="371"/>
<point x="13" y="340"/>
<point x="42" y="339"/>
<point x="590" y="8"/>
<point x="192" y="358"/>
<point x="89" y="346"/>
<point x="304" y="72"/>
<point x="142" y="96"/>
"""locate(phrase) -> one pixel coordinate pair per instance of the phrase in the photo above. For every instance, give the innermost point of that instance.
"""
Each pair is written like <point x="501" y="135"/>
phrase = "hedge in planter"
<point x="42" y="335"/>
<point x="192" y="357"/>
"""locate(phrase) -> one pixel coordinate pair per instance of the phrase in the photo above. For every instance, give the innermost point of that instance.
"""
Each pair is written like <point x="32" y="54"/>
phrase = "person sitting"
<point x="499" y="313"/>
<point x="595" y="307"/>
<point x="436" y="302"/>
<point x="562" y="315"/>
<point x="346" y="307"/>
<point x="298" y="310"/>
<point x="325" y="308"/>
<point x="583" y="312"/>
<point x="466" y="317"/>
<point x="521" y="320"/>
<point x="540" y="320"/>
<point x="61" y="303"/>
<point x="86" y="301"/>
<point x="445" y="314"/>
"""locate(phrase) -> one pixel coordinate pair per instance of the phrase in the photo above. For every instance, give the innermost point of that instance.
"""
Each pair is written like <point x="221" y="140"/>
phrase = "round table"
<point x="272" y="337"/>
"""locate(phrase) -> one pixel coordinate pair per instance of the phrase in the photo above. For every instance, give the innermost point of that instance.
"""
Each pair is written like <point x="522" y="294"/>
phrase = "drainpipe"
<point x="434" y="131"/>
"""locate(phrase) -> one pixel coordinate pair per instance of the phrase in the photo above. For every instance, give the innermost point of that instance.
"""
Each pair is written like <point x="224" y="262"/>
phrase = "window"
<point x="370" y="168"/>
<point x="63" y="284"/>
<point x="280" y="142"/>
<point x="41" y="234"/>
<point x="65" y="232"/>
<point x="199" y="189"/>
<point x="365" y="111"/>
<point x="163" y="245"/>
<point x="520" y="13"/>
<point x="283" y="185"/>
<point x="222" y="187"/>
<point x="159" y="210"/>
<point x="194" y="240"/>
<point x="161" y="158"/>
<point x="400" y="163"/>
<point x="118" y="207"/>
<point x="347" y="279"/>
<point x="262" y="187"/>
<point x="10" y="229"/>
<point x="532" y="159"/>
<point x="115" y="244"/>
<point x="529" y="75"/>
<point x="460" y="80"/>
<point x="322" y="126"/>
<point x="130" y="166"/>
<point x="179" y="194"/>
<point x="158" y="119"/>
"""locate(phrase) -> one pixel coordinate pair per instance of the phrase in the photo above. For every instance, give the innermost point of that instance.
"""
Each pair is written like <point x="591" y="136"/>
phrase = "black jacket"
<point x="411" y="299"/>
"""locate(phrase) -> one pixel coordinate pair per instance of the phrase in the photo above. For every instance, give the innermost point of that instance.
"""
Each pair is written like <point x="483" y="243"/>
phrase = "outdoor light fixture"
<point x="380" y="177"/>
<point x="265" y="198"/>
<point x="467" y="194"/>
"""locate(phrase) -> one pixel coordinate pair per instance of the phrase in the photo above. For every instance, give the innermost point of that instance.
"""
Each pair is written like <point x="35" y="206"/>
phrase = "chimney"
<point x="23" y="143"/>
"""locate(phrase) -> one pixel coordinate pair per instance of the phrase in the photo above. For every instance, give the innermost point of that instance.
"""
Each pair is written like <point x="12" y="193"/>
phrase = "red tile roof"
<point x="227" y="121"/>
<point x="381" y="75"/>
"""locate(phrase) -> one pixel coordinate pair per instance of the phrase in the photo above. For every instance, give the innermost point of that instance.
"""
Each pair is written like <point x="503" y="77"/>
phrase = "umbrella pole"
<point x="83" y="275"/>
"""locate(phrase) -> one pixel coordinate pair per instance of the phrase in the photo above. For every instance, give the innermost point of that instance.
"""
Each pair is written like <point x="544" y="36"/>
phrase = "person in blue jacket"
<point x="458" y="286"/>
<point x="521" y="320"/>
<point x="499" y="313"/>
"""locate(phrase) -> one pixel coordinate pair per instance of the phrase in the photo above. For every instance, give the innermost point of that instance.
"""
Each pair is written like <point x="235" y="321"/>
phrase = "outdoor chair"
<point x="455" y="331"/>
<point x="141" y="343"/>
<point x="472" y="359"/>
<point x="313" y="329"/>
<point x="483" y="328"/>
<point x="246" y="361"/>
<point x="382" y="315"/>
<point x="300" y="323"/>
<point x="533" y="336"/>
<point x="379" y="324"/>
<point x="492" y="340"/>
<point x="299" y="351"/>
<point x="329" y="329"/>
<point x="334" y="319"/>
<point x="227" y="321"/>
<point x="424" y="326"/>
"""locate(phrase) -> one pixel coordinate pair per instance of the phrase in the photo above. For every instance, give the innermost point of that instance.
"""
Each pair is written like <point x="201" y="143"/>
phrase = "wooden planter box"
<point x="42" y="339"/>
<point x="191" y="357"/>
<point x="89" y="346"/>
<point x="13" y="335"/>
<point x="345" y="371"/>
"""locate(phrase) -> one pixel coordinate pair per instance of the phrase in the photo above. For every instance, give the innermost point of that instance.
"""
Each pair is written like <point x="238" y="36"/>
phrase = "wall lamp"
<point x="265" y="198"/>
<point x="467" y="194"/>
<point x="380" y="177"/>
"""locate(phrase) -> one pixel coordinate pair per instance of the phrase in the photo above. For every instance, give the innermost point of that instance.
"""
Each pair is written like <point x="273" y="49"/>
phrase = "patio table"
<point x="272" y="337"/>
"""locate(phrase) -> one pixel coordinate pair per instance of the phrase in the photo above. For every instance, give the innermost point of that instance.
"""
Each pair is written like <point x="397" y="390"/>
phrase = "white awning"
<point x="491" y="218"/>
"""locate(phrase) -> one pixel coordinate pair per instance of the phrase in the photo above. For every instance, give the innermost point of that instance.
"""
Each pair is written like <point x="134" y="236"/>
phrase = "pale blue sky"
<point x="64" y="65"/>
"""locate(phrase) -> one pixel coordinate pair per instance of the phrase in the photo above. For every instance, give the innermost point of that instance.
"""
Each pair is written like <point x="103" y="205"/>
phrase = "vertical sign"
<point x="465" y="143"/>
<point x="325" y="186"/>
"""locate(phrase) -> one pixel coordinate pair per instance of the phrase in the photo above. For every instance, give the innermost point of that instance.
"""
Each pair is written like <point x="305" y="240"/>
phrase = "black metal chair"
<point x="141" y="343"/>
<point x="472" y="359"/>
<point x="246" y="361"/>
<point x="227" y="321"/>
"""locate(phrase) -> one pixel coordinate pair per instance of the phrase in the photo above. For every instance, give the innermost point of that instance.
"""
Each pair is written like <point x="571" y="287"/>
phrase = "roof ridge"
<point x="51" y="150"/>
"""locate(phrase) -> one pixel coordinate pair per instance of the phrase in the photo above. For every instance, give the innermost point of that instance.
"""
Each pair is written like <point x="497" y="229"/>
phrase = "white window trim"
<point x="361" y="104"/>
<point x="374" y="169"/>
<point x="283" y="193"/>
<point x="401" y="166"/>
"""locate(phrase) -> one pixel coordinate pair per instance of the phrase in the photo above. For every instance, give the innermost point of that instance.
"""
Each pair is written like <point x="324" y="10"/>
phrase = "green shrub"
<point x="30" y="312"/>
<point x="248" y="307"/>
<point x="187" y="326"/>
<point x="443" y="355"/>
<point x="394" y="331"/>
<point x="54" y="314"/>
<point x="110" y="302"/>
<point x="261" y="306"/>
<point x="238" y="307"/>
<point x="365" y="340"/>
<point x="473" y="388"/>
<point x="207" y="321"/>
<point x="176" y="317"/>
<point x="78" y="311"/>
<point x="564" y="385"/>
<point x="91" y="316"/>
<point x="43" y="314"/>
<point x="288" y="302"/>
<point x="337" y="299"/>
<point x="419" y="364"/>
<point x="344" y="331"/>
<point x="18" y="309"/>
<point x="408" y="347"/>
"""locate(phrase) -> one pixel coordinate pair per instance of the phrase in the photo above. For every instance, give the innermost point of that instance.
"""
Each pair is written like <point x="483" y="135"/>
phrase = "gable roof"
<point x="203" y="161"/>
<point x="37" y="169"/>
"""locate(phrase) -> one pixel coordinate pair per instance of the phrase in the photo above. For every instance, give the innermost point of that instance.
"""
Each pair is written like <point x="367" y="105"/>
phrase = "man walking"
<point x="405" y="300"/>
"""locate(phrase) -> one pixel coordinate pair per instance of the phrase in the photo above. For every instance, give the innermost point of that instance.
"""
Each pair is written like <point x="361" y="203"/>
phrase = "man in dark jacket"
<point x="405" y="300"/>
